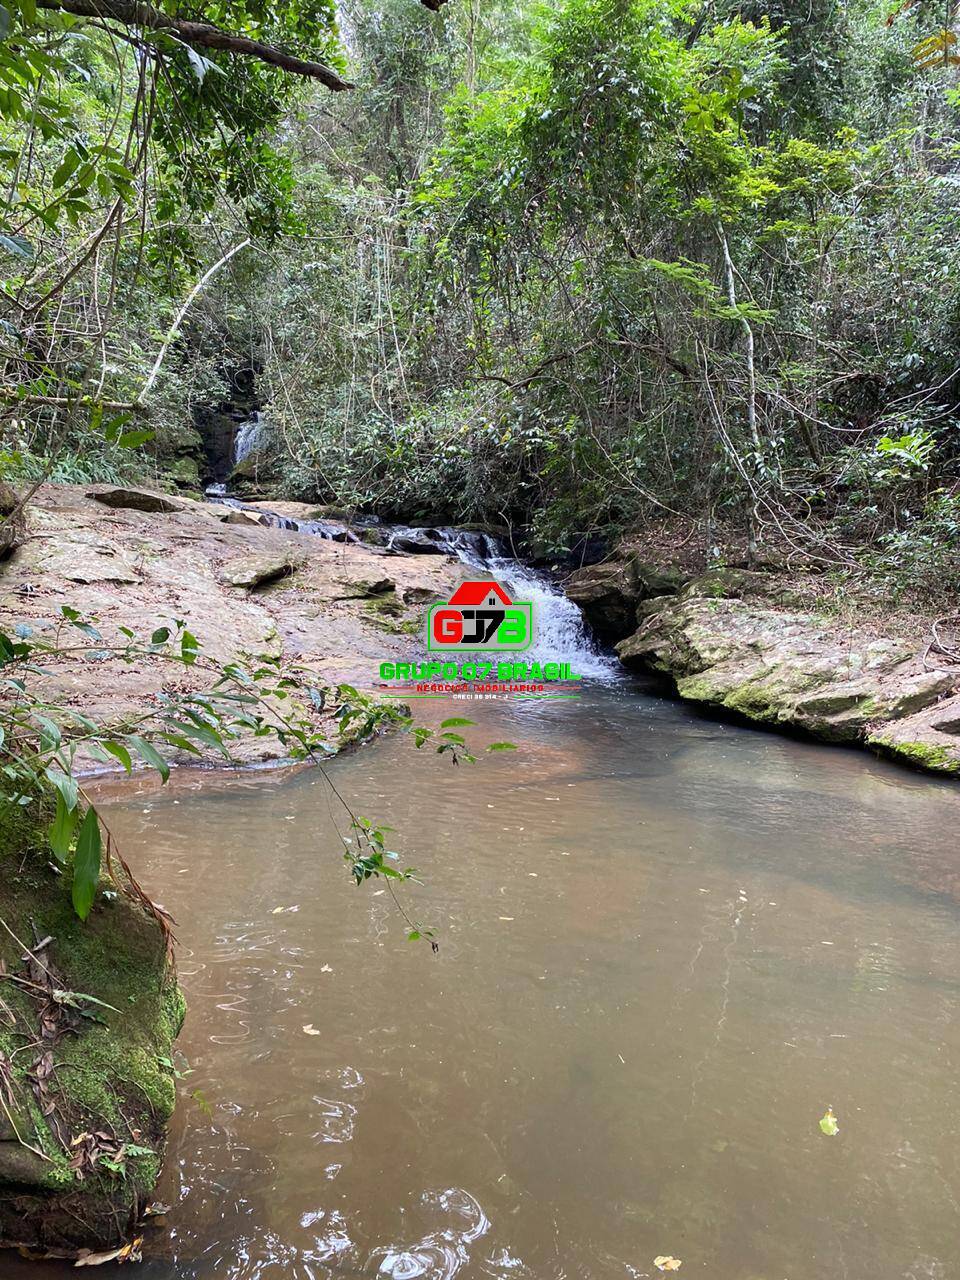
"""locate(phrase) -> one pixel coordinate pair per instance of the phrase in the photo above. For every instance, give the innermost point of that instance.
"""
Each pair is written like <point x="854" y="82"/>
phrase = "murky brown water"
<point x="666" y="946"/>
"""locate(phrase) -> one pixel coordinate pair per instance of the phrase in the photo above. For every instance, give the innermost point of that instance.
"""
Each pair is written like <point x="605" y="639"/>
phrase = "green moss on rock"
<point x="923" y="755"/>
<point x="109" y="1073"/>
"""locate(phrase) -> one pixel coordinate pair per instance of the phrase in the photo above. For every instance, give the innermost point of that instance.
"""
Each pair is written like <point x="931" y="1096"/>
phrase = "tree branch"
<point x="199" y="35"/>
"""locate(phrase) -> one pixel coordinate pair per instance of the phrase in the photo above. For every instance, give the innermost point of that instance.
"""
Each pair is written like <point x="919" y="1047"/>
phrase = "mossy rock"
<point x="110" y="1071"/>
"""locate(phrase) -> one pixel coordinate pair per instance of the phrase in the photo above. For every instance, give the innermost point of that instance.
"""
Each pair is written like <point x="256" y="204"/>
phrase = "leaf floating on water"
<point x="665" y="1263"/>
<point x="128" y="1253"/>
<point x="310" y="1030"/>
<point x="326" y="968"/>
<point x="828" y="1124"/>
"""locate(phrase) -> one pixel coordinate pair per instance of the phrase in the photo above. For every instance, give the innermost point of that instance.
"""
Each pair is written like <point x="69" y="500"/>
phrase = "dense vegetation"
<point x="574" y="269"/>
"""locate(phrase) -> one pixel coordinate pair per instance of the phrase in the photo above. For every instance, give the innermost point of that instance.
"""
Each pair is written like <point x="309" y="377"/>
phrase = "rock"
<point x="108" y="1074"/>
<point x="137" y="500"/>
<point x="417" y="595"/>
<point x="84" y="557"/>
<point x="363" y="588"/>
<point x="236" y="515"/>
<point x="417" y="542"/>
<point x="793" y="670"/>
<point x="257" y="570"/>
<point x="608" y="594"/>
<point x="253" y="477"/>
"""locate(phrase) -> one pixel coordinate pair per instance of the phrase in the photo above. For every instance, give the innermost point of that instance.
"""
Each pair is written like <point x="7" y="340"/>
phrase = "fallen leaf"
<point x="325" y="968"/>
<point x="156" y="1210"/>
<point x="665" y="1263"/>
<point x="311" y="1030"/>
<point x="128" y="1253"/>
<point x="828" y="1124"/>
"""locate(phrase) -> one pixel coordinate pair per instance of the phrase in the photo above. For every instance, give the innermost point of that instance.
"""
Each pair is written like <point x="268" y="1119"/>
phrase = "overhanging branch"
<point x="199" y="35"/>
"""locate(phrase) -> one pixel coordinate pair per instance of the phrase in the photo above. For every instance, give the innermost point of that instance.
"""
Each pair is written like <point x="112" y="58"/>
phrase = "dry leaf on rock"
<point x="127" y="1253"/>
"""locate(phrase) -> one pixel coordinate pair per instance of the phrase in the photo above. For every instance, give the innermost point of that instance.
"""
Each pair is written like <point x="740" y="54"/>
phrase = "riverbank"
<point x="772" y="649"/>
<point x="139" y="559"/>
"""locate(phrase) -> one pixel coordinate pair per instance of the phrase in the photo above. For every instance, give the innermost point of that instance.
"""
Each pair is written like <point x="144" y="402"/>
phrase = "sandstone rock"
<point x="137" y="500"/>
<point x="236" y="515"/>
<point x="257" y="570"/>
<point x="363" y="588"/>
<point x="795" y="670"/>
<point x="109" y="1072"/>
<point x="609" y="594"/>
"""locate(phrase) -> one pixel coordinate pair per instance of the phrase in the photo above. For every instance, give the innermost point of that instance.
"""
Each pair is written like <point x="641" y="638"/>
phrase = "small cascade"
<point x="249" y="435"/>
<point x="559" y="632"/>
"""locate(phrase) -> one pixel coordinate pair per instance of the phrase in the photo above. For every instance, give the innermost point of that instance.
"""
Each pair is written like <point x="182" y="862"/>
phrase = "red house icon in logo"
<point x="479" y="615"/>
<point x="488" y="595"/>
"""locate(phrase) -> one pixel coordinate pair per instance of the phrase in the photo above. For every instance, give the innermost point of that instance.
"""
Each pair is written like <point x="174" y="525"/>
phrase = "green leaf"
<point x="828" y="1124"/>
<point x="86" y="864"/>
<point x="455" y="722"/>
<point x="70" y="161"/>
<point x="160" y="636"/>
<point x="502" y="746"/>
<point x="66" y="785"/>
<point x="29" y="10"/>
<point x="149" y="754"/>
<point x="50" y="738"/>
<point x="17" y="245"/>
<point x="60" y="831"/>
<point x="119" y="752"/>
<point x="133" y="439"/>
<point x="189" y="648"/>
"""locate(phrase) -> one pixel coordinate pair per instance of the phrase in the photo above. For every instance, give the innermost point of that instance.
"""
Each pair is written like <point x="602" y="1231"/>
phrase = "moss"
<point x="923" y="755"/>
<point x="108" y="1075"/>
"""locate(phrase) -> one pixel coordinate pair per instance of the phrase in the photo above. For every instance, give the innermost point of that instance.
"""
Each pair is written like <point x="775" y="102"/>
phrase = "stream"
<point x="666" y="946"/>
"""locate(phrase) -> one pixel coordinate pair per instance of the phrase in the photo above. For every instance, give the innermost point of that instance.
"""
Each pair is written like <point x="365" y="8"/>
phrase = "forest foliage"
<point x="570" y="268"/>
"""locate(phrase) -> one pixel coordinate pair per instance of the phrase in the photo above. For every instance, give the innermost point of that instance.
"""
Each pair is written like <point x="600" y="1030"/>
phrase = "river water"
<point x="666" y="945"/>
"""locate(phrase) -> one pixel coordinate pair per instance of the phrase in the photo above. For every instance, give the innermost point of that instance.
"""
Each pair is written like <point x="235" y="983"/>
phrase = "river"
<point x="666" y="946"/>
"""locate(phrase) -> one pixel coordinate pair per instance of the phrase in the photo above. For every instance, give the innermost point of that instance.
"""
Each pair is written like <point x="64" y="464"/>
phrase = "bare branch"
<point x="199" y="35"/>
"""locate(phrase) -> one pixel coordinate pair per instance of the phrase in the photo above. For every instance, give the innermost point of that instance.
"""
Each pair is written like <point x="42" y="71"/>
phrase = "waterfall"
<point x="248" y="437"/>
<point x="559" y="634"/>
<point x="559" y="631"/>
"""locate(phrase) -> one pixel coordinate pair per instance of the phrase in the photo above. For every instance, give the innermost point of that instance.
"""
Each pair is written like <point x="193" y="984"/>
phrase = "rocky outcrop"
<point x="137" y="500"/>
<point x="608" y="593"/>
<point x="261" y="568"/>
<point x="751" y="643"/>
<point x="91" y="1011"/>
<point x="330" y="607"/>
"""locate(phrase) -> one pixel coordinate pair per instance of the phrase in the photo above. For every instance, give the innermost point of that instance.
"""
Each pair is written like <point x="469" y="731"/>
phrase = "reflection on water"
<point x="666" y="946"/>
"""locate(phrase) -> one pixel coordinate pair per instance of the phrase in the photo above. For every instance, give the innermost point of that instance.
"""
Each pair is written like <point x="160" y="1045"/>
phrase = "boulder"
<point x="795" y="670"/>
<point x="608" y="594"/>
<point x="236" y="515"/>
<point x="137" y="500"/>
<point x="79" y="1090"/>
<point x="364" y="588"/>
<point x="260" y="568"/>
<point x="417" y="542"/>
